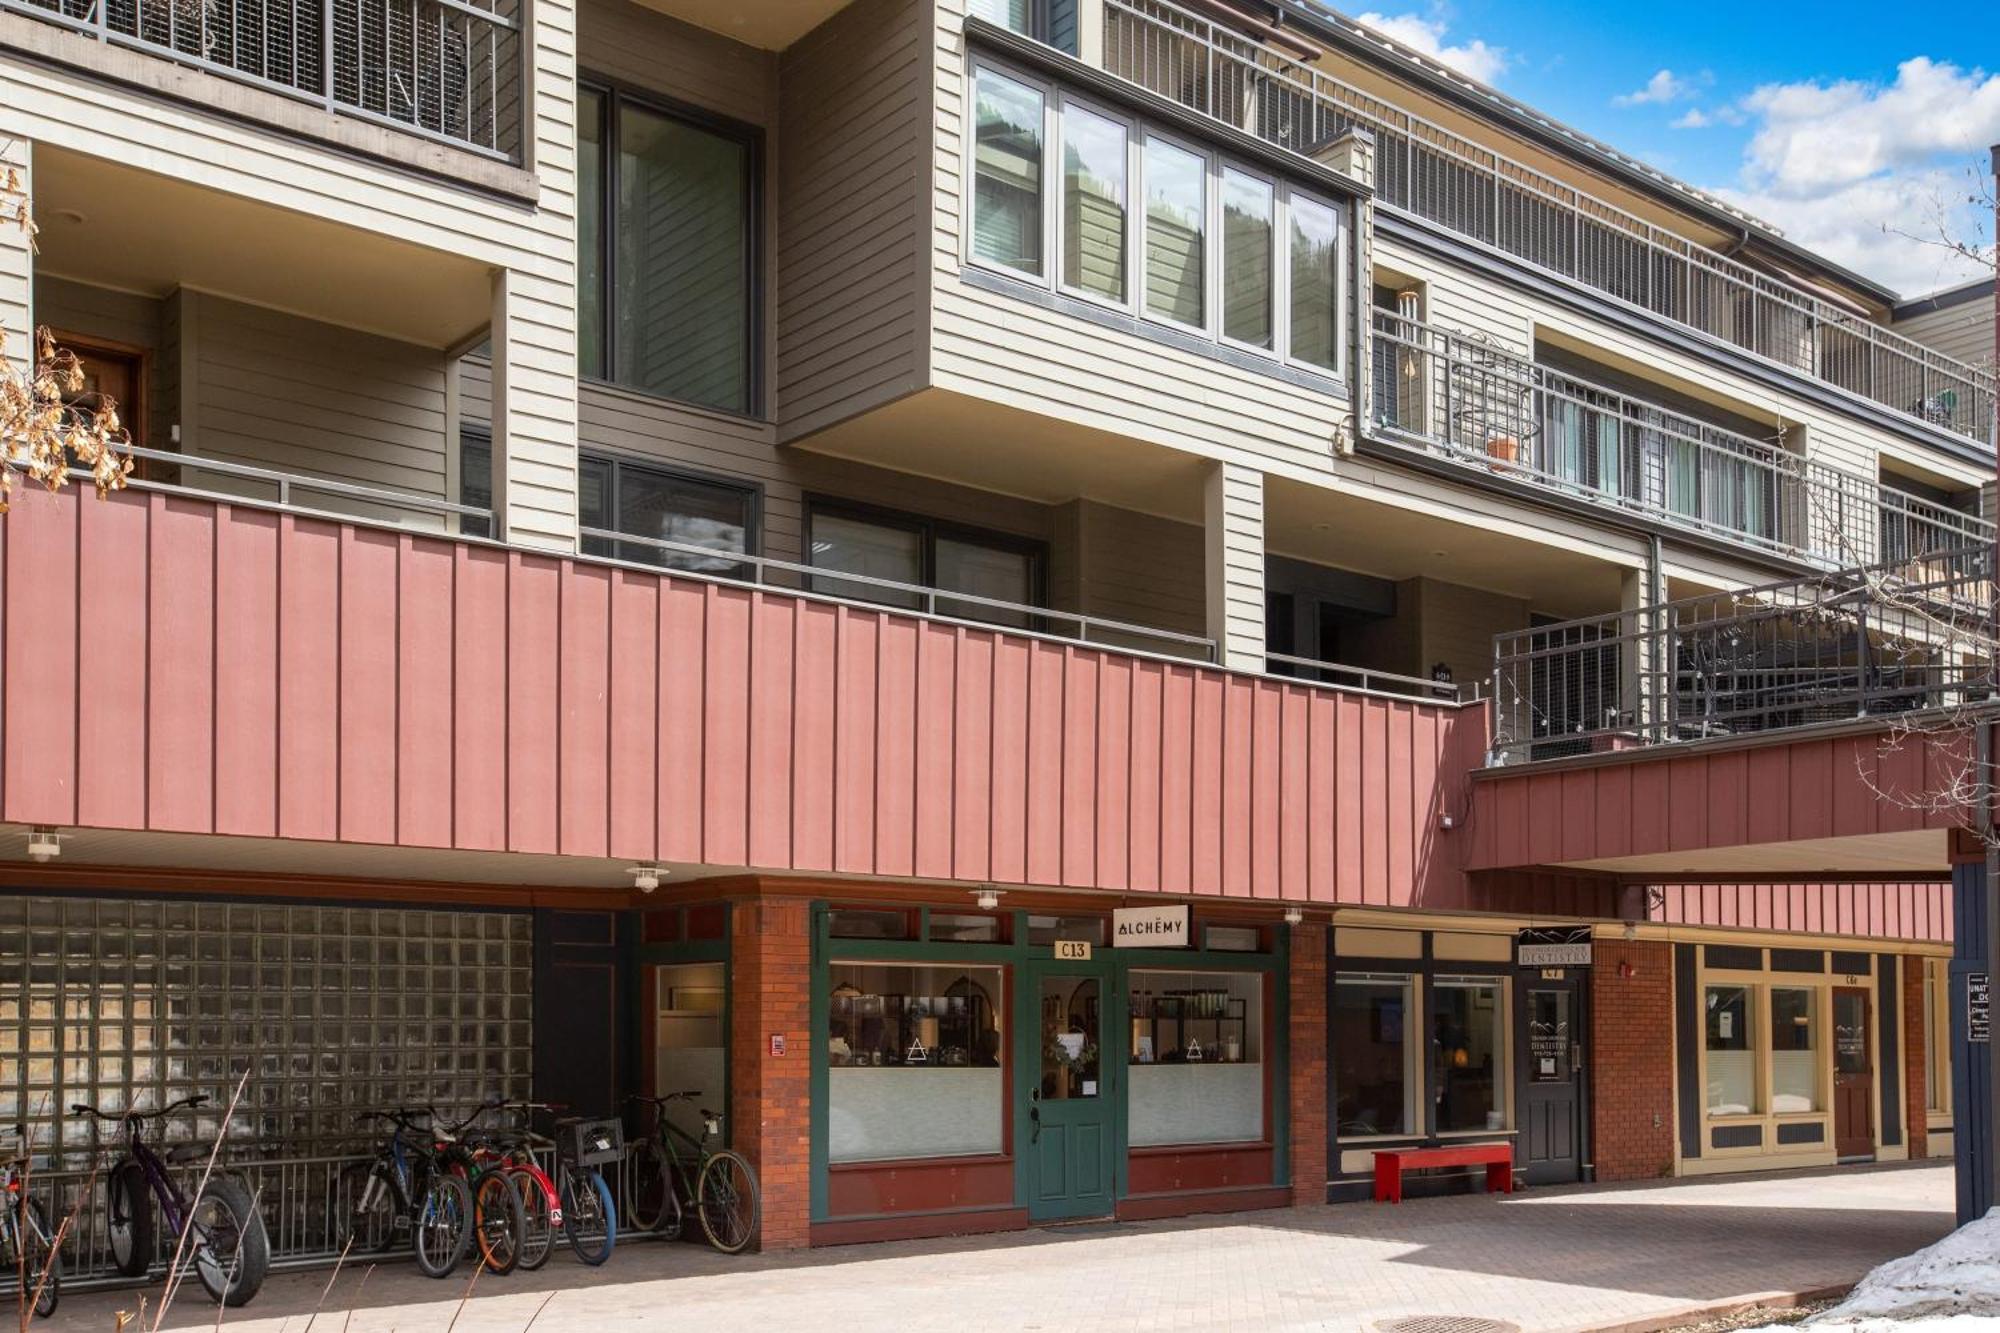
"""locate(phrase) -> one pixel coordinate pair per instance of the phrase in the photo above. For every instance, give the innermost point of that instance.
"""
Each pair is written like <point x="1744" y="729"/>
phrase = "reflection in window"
<point x="1794" y="1062"/>
<point x="915" y="1056"/>
<point x="1011" y="14"/>
<point x="1248" y="261"/>
<point x="1196" y="1055"/>
<point x="1731" y="1050"/>
<point x="590" y="232"/>
<point x="1093" y="203"/>
<point x="1315" y="282"/>
<point x="1071" y="1036"/>
<point x="1176" y="225"/>
<point x="617" y="496"/>
<point x="912" y="550"/>
<point x="1007" y="172"/>
<point x="1373" y="1045"/>
<point x="875" y="550"/>
<point x="1468" y="1054"/>
<point x="690" y="1049"/>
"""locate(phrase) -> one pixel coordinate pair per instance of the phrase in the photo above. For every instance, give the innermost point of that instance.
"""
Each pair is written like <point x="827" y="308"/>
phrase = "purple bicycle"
<point x="226" y="1241"/>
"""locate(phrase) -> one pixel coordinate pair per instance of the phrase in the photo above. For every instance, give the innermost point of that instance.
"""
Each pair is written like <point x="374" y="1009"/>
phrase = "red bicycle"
<point x="510" y="1152"/>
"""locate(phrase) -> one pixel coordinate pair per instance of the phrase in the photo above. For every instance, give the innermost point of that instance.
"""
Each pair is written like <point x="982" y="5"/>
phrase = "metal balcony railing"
<point x="1892" y="639"/>
<point x="1426" y="170"/>
<point x="1463" y="398"/>
<point x="445" y="69"/>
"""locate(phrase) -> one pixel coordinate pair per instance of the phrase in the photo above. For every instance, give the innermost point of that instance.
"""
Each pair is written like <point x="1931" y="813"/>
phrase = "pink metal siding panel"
<point x="1239" y="701"/>
<point x="111" y="649"/>
<point x="1079" y="769"/>
<point x="725" y="752"/>
<point x="972" y="757"/>
<point x="854" y="743"/>
<point x="1206" y="776"/>
<point x="1295" y="737"/>
<point x="1322" y="714"/>
<point x="308" y="679"/>
<point x="246" y="656"/>
<point x="180" y="669"/>
<point x="1266" y="792"/>
<point x="583" y="745"/>
<point x="1177" y="779"/>
<point x="896" y="747"/>
<point x="772" y="692"/>
<point x="1010" y="760"/>
<point x="683" y="679"/>
<point x="1046" y="681"/>
<point x="479" y="699"/>
<point x="534" y="701"/>
<point x="424" y="692"/>
<point x="936" y="714"/>
<point x="1149" y="683"/>
<point x="1113" y="850"/>
<point x="41" y="614"/>
<point x="633" y="829"/>
<point x="368" y="719"/>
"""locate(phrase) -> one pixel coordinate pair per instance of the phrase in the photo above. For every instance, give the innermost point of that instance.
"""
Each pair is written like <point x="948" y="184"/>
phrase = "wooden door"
<point x="1853" y="1074"/>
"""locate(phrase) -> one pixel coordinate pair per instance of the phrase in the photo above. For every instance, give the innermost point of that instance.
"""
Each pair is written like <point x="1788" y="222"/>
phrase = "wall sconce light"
<point x="44" y="843"/>
<point x="646" y="878"/>
<point x="988" y="897"/>
<point x="1294" y="915"/>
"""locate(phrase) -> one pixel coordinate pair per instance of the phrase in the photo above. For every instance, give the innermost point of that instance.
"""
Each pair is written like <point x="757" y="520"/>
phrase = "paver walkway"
<point x="1543" y="1259"/>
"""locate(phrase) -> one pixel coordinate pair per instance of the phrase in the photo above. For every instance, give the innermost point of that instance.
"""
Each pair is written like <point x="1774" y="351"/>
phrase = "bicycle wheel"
<point x="649" y="1200"/>
<point x="44" y="1265"/>
<point x="726" y="1200"/>
<point x="538" y="1224"/>
<point x="590" y="1220"/>
<point x="230" y="1248"/>
<point x="129" y="1220"/>
<point x="361" y="1216"/>
<point x="442" y="1225"/>
<point x="498" y="1222"/>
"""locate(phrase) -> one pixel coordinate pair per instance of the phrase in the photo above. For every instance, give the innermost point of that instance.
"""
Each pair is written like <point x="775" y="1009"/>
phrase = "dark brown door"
<point x="1853" y="1075"/>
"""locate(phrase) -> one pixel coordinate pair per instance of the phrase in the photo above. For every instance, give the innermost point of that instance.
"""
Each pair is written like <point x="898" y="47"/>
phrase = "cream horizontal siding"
<point x="1460" y="299"/>
<point x="851" y="306"/>
<point x="1964" y="330"/>
<point x="16" y="259"/>
<point x="644" y="48"/>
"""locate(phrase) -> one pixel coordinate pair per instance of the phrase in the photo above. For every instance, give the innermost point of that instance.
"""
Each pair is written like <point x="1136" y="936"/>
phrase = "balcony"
<point x="1463" y="400"/>
<point x="1893" y="643"/>
<point x="447" y="70"/>
<point x="1443" y="178"/>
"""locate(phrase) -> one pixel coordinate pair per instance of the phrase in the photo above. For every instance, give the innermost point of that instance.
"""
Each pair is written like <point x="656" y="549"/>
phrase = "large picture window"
<point x="1731" y="1050"/>
<point x="1373" y="1045"/>
<point x="1794" y="1051"/>
<point x="1197" y="1058"/>
<point x="915" y="1057"/>
<point x="667" y="244"/>
<point x="907" y="549"/>
<point x="615" y="495"/>
<point x="1230" y="253"/>
<point x="1468" y="1054"/>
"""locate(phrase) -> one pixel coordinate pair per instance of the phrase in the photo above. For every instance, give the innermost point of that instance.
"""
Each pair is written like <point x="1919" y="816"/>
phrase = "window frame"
<point x="618" y="462"/>
<point x="1056" y="98"/>
<point x="1504" y="1072"/>
<point x="613" y="93"/>
<point x="929" y="530"/>
<point x="1416" y="1074"/>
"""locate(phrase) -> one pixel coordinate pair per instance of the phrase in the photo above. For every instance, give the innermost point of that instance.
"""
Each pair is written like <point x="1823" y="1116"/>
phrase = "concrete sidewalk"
<point x="1578" y="1258"/>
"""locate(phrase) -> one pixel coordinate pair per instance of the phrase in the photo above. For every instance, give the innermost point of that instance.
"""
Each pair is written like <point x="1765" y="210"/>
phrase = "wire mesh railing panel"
<point x="1436" y="174"/>
<point x="1902" y="636"/>
<point x="448" y="69"/>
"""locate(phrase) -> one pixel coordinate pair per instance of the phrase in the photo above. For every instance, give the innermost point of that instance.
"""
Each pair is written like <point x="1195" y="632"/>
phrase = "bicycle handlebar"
<point x="119" y="1117"/>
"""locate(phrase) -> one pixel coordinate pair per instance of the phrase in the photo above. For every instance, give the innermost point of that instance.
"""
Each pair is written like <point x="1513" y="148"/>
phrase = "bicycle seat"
<point x="707" y="1114"/>
<point x="183" y="1153"/>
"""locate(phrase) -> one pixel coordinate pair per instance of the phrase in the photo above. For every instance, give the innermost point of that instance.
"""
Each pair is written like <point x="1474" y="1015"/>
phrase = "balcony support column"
<point x="1641" y="650"/>
<point x="17" y="303"/>
<point x="534" y="411"/>
<point x="1233" y="533"/>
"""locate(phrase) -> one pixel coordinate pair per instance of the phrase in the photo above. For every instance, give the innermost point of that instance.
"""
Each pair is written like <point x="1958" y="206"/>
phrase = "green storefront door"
<point x="1074" y="1100"/>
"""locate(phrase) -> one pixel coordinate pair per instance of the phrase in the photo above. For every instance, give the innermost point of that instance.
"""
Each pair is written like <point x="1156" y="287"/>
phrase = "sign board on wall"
<point x="1150" y="927"/>
<point x="1978" y="1006"/>
<point x="1552" y="946"/>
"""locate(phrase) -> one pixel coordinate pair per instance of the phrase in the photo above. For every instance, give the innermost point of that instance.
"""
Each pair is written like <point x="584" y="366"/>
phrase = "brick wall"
<point x="769" y="986"/>
<point x="1308" y="1057"/>
<point x="1916" y="1088"/>
<point x="1632" y="1054"/>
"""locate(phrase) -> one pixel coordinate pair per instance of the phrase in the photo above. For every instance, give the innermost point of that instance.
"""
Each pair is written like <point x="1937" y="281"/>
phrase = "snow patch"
<point x="1941" y="1289"/>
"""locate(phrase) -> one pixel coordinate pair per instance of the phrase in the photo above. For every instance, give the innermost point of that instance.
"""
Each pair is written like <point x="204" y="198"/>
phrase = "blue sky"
<point x="1830" y="120"/>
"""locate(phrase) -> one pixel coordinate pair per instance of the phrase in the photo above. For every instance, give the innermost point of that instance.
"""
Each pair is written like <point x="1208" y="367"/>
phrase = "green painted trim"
<point x="691" y="951"/>
<point x="643" y="956"/>
<point x="820" y="1005"/>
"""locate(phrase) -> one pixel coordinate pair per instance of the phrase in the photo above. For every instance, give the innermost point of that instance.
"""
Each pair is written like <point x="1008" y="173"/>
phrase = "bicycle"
<point x="723" y="1194"/>
<point x="228" y="1246"/>
<point x="512" y="1153"/>
<point x="589" y="1217"/>
<point x="27" y="1246"/>
<point x="404" y="1189"/>
<point x="499" y="1218"/>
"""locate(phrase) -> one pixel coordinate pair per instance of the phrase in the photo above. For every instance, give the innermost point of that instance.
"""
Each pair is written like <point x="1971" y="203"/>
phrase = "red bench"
<point x="1391" y="1163"/>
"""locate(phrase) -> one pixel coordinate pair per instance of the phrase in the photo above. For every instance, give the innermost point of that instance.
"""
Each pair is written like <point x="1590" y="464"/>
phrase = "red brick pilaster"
<point x="770" y="962"/>
<point x="1916" y="1079"/>
<point x="1632" y="1055"/>
<point x="1307" y="1000"/>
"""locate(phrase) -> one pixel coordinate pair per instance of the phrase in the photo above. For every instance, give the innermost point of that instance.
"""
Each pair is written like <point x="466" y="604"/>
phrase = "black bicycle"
<point x="219" y="1228"/>
<point x="27" y="1246"/>
<point x="499" y="1221"/>
<point x="675" y="1173"/>
<point x="406" y="1193"/>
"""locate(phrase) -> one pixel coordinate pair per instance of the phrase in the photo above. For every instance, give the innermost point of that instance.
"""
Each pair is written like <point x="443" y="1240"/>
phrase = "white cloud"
<point x="1694" y="118"/>
<point x="1857" y="170"/>
<point x="1474" y="57"/>
<point x="1665" y="86"/>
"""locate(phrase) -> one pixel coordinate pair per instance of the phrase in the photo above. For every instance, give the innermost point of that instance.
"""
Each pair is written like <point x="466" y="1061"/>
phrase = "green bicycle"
<point x="674" y="1173"/>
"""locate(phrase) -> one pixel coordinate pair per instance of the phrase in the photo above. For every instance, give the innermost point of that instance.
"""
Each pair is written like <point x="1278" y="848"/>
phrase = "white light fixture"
<point x="1294" y="915"/>
<point x="988" y="898"/>
<point x="44" y="843"/>
<point x="646" y="878"/>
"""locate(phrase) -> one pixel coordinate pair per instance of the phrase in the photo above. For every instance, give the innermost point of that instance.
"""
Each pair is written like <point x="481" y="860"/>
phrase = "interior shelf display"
<point x="936" y="1018"/>
<point x="1188" y="1025"/>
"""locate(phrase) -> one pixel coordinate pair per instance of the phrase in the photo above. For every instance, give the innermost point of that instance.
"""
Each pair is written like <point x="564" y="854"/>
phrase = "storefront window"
<point x="690" y="1051"/>
<point x="915" y="1058"/>
<point x="1794" y="1061"/>
<point x="1373" y="1046"/>
<point x="1197" y="1072"/>
<point x="1732" y="1058"/>
<point x="1049" y="929"/>
<point x="1468" y="1054"/>
<point x="1937" y="1038"/>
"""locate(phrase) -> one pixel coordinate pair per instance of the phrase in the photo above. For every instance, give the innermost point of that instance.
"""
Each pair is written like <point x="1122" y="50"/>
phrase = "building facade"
<point x="939" y="488"/>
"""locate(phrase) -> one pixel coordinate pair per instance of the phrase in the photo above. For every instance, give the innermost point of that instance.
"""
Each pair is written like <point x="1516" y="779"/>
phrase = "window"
<point x="1093" y="218"/>
<point x="905" y="549"/>
<point x="1007" y="172"/>
<point x="1176" y="232"/>
<point x="1937" y="1037"/>
<point x="1197" y="1073"/>
<point x="1247" y="261"/>
<point x="1016" y="15"/>
<point x="666" y="237"/>
<point x="614" y="495"/>
<point x="690" y="1038"/>
<point x="1221" y="251"/>
<point x="1468" y="1054"/>
<point x="916" y="1057"/>
<point x="1731" y="1050"/>
<point x="475" y="479"/>
<point x="1794" y="1059"/>
<point x="1373" y="1048"/>
<point x="1049" y="929"/>
<point x="966" y="928"/>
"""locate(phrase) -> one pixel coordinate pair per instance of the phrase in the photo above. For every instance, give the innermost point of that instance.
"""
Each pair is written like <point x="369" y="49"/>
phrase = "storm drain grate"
<point x="1445" y="1323"/>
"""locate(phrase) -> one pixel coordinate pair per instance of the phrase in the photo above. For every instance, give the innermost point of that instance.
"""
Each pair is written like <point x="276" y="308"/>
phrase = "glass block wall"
<point x="335" y="1010"/>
